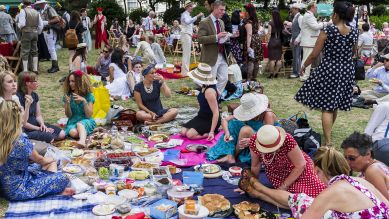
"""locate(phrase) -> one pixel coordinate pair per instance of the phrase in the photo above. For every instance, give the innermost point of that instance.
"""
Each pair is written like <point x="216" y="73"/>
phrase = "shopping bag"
<point x="102" y="102"/>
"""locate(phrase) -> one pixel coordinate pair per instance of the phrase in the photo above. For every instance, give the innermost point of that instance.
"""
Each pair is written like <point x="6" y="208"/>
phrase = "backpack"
<point x="307" y="139"/>
<point x="71" y="38"/>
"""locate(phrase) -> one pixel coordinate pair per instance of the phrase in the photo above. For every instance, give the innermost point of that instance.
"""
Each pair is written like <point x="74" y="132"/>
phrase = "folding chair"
<point x="15" y="60"/>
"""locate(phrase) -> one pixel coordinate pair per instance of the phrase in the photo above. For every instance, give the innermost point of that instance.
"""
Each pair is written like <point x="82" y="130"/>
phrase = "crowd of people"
<point x="310" y="185"/>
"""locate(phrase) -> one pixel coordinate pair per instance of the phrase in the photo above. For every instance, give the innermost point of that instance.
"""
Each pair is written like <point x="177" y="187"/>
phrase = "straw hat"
<point x="2" y="7"/>
<point x="81" y="45"/>
<point x="386" y="56"/>
<point x="269" y="138"/>
<point x="251" y="105"/>
<point x="187" y="3"/>
<point x="40" y="2"/>
<point x="202" y="75"/>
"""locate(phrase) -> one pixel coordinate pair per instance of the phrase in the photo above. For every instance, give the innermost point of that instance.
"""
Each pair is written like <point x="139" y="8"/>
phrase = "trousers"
<point x="381" y="150"/>
<point x="29" y="45"/>
<point x="374" y="95"/>
<point x="296" y="59"/>
<point x="220" y="71"/>
<point x="306" y="52"/>
<point x="51" y="39"/>
<point x="186" y="41"/>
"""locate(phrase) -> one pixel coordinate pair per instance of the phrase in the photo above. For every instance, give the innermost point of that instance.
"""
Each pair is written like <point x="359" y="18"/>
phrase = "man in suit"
<point x="310" y="30"/>
<point x="296" y="37"/>
<point x="212" y="36"/>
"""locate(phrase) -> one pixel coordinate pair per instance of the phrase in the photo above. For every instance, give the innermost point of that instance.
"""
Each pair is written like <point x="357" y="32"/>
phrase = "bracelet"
<point x="211" y="132"/>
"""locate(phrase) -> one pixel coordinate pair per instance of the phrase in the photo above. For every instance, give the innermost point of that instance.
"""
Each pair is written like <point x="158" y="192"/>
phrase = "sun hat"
<point x="202" y="75"/>
<point x="251" y="105"/>
<point x="269" y="138"/>
<point x="187" y="3"/>
<point x="81" y="45"/>
<point x="40" y="2"/>
<point x="148" y="69"/>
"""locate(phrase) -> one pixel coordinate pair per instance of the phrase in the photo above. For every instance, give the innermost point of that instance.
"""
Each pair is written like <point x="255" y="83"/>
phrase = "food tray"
<point x="155" y="176"/>
<point x="102" y="162"/>
<point x="120" y="155"/>
<point x="154" y="152"/>
<point x="135" y="166"/>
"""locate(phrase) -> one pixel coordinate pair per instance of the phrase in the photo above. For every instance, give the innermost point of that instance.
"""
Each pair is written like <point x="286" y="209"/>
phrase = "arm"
<point x="98" y="63"/>
<point x="373" y="72"/>
<point x="204" y="38"/>
<point x="165" y="89"/>
<point x="139" y="102"/>
<point x="255" y="163"/>
<point x="313" y="24"/>
<point x="270" y="118"/>
<point x="68" y="110"/>
<point x="131" y="81"/>
<point x="249" y="30"/>
<point x="137" y="49"/>
<point x="88" y="108"/>
<point x="268" y="33"/>
<point x="316" y="50"/>
<point x="111" y="72"/>
<point x="210" y="96"/>
<point x="300" y="22"/>
<point x="297" y="158"/>
<point x="187" y="19"/>
<point x="375" y="176"/>
<point x="48" y="164"/>
<point x="77" y="63"/>
<point x="22" y="19"/>
<point x="224" y="125"/>
<point x="322" y="203"/>
<point x="40" y="25"/>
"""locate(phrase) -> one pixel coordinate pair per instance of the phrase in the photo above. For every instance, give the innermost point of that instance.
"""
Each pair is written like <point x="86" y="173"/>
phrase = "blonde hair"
<point x="4" y="66"/>
<point x="122" y="41"/>
<point x="2" y="79"/>
<point x="10" y="126"/>
<point x="23" y="78"/>
<point x="83" y="84"/>
<point x="331" y="162"/>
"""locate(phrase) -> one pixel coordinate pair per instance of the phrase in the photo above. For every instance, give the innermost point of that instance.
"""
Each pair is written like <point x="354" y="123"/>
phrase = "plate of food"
<point x="103" y="210"/>
<point x="139" y="174"/>
<point x="82" y="161"/>
<point x="217" y="205"/>
<point x="245" y="210"/>
<point x="128" y="194"/>
<point x="198" y="148"/>
<point x="164" y="145"/>
<point x="192" y="210"/>
<point x="208" y="168"/>
<point x="374" y="80"/>
<point x="73" y="169"/>
<point x="143" y="166"/>
<point x="158" y="138"/>
<point x="134" y="139"/>
<point x="149" y="152"/>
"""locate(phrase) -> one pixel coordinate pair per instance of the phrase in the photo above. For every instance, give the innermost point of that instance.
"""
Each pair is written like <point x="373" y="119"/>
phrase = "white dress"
<point x="119" y="85"/>
<point x="86" y="36"/>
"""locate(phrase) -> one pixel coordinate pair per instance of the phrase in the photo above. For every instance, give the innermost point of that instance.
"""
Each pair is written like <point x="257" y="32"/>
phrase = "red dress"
<point x="101" y="33"/>
<point x="277" y="169"/>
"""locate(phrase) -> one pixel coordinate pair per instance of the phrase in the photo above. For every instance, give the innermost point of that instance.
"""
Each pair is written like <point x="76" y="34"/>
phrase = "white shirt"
<point x="376" y="127"/>
<point x="148" y="24"/>
<point x="86" y="22"/>
<point x="187" y="22"/>
<point x="214" y="19"/>
<point x="22" y="20"/>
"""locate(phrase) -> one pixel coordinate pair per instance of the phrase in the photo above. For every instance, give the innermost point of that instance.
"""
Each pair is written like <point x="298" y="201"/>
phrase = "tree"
<point x="111" y="8"/>
<point x="75" y="5"/>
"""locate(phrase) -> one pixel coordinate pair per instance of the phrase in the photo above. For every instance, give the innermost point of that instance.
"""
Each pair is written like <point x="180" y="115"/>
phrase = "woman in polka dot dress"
<point x="286" y="166"/>
<point x="330" y="86"/>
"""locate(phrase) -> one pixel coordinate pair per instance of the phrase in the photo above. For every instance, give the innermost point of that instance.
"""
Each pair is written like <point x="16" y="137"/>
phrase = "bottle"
<point x="114" y="129"/>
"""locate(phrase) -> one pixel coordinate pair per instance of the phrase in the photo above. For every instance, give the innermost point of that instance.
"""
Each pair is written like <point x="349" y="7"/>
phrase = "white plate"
<point x="103" y="210"/>
<point x="114" y="200"/>
<point x="164" y="145"/>
<point x="73" y="169"/>
<point x="128" y="194"/>
<point x="203" y="212"/>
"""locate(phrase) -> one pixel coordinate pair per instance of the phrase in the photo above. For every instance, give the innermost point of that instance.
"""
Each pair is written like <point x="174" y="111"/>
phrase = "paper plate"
<point x="103" y="210"/>
<point x="208" y="168"/>
<point x="128" y="194"/>
<point x="164" y="145"/>
<point x="203" y="212"/>
<point x="115" y="200"/>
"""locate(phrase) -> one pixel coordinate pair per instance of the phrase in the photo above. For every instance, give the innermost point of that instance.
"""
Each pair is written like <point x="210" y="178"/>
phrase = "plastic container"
<point x="178" y="196"/>
<point x="191" y="177"/>
<point x="158" y="214"/>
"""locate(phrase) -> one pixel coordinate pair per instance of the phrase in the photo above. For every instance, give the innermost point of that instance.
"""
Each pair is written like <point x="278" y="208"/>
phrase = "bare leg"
<point x="327" y="119"/>
<point x="183" y="131"/>
<point x="82" y="133"/>
<point x="61" y="136"/>
<point x="271" y="67"/>
<point x="280" y="197"/>
<point x="255" y="70"/>
<point x="194" y="135"/>
<point x="167" y="117"/>
<point x="227" y="159"/>
<point x="73" y="133"/>
<point x="71" y="54"/>
<point x="143" y="116"/>
<point x="245" y="132"/>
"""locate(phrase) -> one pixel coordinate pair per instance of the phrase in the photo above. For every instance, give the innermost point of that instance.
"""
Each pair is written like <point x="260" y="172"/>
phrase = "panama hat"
<point x="81" y="45"/>
<point x="251" y="105"/>
<point x="187" y="3"/>
<point x="269" y="138"/>
<point x="202" y="75"/>
<point x="40" y="2"/>
<point x="386" y="56"/>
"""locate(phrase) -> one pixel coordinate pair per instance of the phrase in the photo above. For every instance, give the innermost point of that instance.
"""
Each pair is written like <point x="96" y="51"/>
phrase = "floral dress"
<point x="78" y="115"/>
<point x="21" y="181"/>
<point x="255" y="45"/>
<point x="278" y="167"/>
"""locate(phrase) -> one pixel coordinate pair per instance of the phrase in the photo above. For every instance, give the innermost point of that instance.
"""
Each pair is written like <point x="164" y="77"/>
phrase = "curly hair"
<point x="362" y="142"/>
<point x="83" y="84"/>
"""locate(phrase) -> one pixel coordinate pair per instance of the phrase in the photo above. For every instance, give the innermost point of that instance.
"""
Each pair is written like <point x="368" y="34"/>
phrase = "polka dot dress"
<point x="280" y="168"/>
<point x="330" y="85"/>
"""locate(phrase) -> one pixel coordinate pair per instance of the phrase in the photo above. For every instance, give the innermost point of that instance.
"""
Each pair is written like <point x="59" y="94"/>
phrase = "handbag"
<point x="127" y="117"/>
<point x="231" y="59"/>
<point x="359" y="66"/>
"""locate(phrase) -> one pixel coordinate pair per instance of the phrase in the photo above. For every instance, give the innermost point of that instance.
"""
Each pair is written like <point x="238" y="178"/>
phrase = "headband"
<point x="148" y="69"/>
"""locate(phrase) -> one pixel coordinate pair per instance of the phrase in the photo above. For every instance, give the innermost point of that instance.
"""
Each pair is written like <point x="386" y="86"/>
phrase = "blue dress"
<point x="78" y="115"/>
<point x="223" y="148"/>
<point x="21" y="181"/>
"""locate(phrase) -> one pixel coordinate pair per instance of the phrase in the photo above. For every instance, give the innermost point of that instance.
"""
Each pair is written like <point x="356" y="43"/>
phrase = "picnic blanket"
<point x="50" y="207"/>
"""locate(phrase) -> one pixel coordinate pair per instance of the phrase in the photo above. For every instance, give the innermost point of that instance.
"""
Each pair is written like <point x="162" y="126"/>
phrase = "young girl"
<point x="79" y="102"/>
<point x="135" y="75"/>
<point x="35" y="128"/>
<point x="18" y="179"/>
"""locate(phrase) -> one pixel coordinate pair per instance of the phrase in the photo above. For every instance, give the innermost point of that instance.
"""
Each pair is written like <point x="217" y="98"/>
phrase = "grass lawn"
<point x="280" y="92"/>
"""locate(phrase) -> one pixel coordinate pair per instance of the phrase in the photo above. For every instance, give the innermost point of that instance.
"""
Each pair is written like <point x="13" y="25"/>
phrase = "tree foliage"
<point x="171" y="14"/>
<point x="137" y="14"/>
<point x="111" y="10"/>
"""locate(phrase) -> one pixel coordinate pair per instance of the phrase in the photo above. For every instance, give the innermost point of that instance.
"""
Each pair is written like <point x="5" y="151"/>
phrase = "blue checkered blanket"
<point x="50" y="207"/>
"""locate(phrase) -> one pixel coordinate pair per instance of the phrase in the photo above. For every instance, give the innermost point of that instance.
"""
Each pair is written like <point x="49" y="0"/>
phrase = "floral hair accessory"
<point x="27" y="79"/>
<point x="99" y="9"/>
<point x="78" y="73"/>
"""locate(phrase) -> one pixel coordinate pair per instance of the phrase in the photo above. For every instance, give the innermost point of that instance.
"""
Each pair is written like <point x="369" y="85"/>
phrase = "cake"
<point x="247" y="210"/>
<point x="190" y="207"/>
<point x="215" y="203"/>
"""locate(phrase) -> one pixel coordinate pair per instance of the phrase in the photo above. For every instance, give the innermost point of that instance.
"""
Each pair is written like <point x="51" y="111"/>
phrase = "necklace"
<point x="148" y="90"/>
<point x="268" y="162"/>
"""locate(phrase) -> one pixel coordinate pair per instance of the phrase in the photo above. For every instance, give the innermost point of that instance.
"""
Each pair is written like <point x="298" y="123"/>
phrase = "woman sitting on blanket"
<point x="252" y="114"/>
<point x="135" y="75"/>
<point x="35" y="128"/>
<point x="357" y="149"/>
<point x="79" y="102"/>
<point x="207" y="121"/>
<point x="345" y="197"/>
<point x="20" y="180"/>
<point x="148" y="98"/>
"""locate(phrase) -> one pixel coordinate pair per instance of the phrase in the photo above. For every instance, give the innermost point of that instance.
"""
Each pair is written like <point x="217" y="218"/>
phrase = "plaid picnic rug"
<point x="51" y="207"/>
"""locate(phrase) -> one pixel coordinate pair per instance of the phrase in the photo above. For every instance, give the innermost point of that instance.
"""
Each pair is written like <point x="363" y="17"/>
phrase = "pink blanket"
<point x="188" y="159"/>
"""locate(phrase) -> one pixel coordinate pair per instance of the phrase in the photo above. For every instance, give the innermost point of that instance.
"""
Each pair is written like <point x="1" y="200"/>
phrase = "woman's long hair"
<point x="10" y="126"/>
<point x="80" y="52"/>
<point x="251" y="14"/>
<point x="277" y="22"/>
<point x="117" y="58"/>
<point x="75" y="17"/>
<point x="331" y="162"/>
<point x="23" y="78"/>
<point x="83" y="84"/>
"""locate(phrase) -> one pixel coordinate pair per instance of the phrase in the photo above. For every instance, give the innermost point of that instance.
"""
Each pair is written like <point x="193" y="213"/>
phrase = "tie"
<point x="219" y="46"/>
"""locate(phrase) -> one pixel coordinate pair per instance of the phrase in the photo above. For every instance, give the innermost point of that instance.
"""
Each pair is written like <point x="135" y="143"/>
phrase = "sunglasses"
<point x="351" y="158"/>
<point x="105" y="51"/>
<point x="386" y="60"/>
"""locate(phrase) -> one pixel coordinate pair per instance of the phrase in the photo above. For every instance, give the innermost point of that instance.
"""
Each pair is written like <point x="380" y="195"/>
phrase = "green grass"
<point x="280" y="92"/>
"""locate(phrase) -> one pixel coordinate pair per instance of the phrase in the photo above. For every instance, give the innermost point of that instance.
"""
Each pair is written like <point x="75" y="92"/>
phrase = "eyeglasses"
<point x="351" y="158"/>
<point x="33" y="81"/>
<point x="105" y="51"/>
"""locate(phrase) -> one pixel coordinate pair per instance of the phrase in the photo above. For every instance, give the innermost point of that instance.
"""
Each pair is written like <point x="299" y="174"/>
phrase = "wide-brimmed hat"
<point x="40" y="2"/>
<point x="269" y="138"/>
<point x="81" y="45"/>
<point x="202" y="75"/>
<point x="187" y="3"/>
<point x="386" y="56"/>
<point x="2" y="7"/>
<point x="298" y="5"/>
<point x="251" y="105"/>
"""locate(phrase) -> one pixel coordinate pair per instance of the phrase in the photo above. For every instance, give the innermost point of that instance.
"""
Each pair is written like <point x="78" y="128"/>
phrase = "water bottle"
<point x="114" y="129"/>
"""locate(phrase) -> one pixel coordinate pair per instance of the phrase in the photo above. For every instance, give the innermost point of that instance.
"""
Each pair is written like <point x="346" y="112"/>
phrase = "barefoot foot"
<point x="68" y="192"/>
